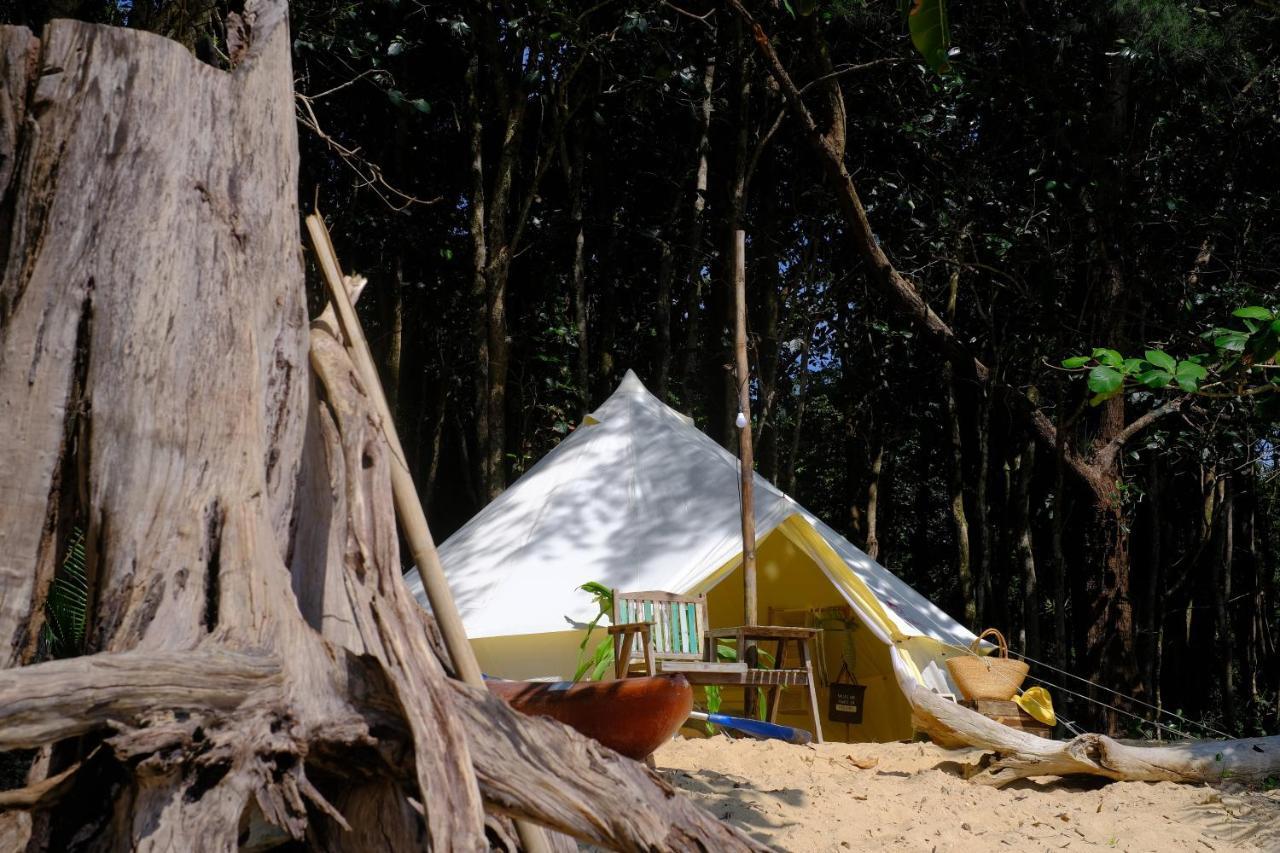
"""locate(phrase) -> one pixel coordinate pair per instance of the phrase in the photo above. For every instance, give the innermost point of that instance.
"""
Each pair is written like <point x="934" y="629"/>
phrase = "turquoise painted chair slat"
<point x="676" y="623"/>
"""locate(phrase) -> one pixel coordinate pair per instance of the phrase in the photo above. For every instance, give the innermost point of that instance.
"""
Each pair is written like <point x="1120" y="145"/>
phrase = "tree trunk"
<point x="254" y="658"/>
<point x="872" y="539"/>
<point x="1153" y="605"/>
<point x="1061" y="648"/>
<point x="959" y="521"/>
<point x="982" y="508"/>
<point x="1223" y="648"/>
<point x="476" y="218"/>
<point x="697" y="259"/>
<point x="582" y="365"/>
<point x="797" y="429"/>
<point x="1024" y="553"/>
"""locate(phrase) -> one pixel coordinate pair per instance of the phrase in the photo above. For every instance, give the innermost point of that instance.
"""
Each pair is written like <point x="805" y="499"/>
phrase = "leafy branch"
<point x="1242" y="363"/>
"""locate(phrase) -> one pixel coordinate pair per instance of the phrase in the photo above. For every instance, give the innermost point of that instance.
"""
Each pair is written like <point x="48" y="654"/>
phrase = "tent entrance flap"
<point x="794" y="589"/>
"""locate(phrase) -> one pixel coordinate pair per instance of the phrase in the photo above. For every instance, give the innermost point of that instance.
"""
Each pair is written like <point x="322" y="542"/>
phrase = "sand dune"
<point x="913" y="797"/>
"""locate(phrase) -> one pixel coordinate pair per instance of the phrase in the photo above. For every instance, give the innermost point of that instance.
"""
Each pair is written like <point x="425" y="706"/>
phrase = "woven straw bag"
<point x="987" y="676"/>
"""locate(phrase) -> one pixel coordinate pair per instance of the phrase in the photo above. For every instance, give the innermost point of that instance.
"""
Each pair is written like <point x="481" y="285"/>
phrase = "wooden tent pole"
<point x="743" y="376"/>
<point x="412" y="517"/>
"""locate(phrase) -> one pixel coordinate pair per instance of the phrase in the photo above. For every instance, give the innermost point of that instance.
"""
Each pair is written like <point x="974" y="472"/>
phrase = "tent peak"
<point x="631" y="383"/>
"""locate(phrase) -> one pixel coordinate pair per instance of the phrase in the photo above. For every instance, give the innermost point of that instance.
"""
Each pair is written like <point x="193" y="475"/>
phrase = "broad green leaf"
<point x="930" y="32"/>
<point x="420" y="105"/>
<point x="1191" y="370"/>
<point x="1109" y="357"/>
<point x="1076" y="361"/>
<point x="1132" y="366"/>
<point x="1161" y="359"/>
<point x="1104" y="380"/>
<point x="1231" y="341"/>
<point x="1187" y="383"/>
<point x="1253" y="312"/>
<point x="1155" y="378"/>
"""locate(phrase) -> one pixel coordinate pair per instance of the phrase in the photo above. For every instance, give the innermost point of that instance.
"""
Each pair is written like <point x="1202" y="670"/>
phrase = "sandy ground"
<point x="913" y="797"/>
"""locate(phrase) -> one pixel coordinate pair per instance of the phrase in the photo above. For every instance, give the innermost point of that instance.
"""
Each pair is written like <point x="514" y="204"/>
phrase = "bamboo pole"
<point x="409" y="508"/>
<point x="752" y="616"/>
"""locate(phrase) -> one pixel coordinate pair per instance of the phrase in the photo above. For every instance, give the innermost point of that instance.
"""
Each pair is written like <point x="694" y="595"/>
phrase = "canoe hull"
<point x="633" y="716"/>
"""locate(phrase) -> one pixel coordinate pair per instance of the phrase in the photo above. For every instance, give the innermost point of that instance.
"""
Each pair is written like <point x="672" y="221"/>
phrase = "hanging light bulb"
<point x="741" y="421"/>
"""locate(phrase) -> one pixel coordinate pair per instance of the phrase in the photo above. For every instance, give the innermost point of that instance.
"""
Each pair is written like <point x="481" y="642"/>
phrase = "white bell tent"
<point x="637" y="498"/>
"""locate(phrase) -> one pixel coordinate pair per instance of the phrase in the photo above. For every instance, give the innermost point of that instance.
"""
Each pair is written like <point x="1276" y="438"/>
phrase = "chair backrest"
<point x="679" y="621"/>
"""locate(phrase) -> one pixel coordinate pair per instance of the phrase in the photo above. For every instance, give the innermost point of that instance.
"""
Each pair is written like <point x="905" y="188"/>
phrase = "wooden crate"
<point x="1009" y="714"/>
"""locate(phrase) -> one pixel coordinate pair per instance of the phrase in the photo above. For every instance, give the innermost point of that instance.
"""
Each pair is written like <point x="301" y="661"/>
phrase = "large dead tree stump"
<point x="255" y="668"/>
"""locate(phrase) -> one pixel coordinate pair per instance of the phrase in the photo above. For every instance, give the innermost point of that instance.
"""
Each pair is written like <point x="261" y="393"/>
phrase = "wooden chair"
<point x="674" y="638"/>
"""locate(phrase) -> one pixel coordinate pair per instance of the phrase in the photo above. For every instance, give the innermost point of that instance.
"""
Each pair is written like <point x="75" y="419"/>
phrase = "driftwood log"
<point x="255" y="669"/>
<point x="1019" y="755"/>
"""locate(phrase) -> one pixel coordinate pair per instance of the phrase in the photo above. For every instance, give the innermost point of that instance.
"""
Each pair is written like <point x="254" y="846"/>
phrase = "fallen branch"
<point x="50" y="701"/>
<point x="1020" y="755"/>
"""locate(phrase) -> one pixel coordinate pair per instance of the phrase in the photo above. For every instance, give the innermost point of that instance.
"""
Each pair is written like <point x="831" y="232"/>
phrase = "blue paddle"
<point x="755" y="728"/>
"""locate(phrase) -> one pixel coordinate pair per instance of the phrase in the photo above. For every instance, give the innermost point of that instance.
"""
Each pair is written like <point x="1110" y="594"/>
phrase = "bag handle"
<point x="1004" y="647"/>
<point x="845" y="672"/>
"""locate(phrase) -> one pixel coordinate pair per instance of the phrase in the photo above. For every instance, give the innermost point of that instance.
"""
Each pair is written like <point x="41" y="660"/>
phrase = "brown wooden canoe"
<point x="633" y="716"/>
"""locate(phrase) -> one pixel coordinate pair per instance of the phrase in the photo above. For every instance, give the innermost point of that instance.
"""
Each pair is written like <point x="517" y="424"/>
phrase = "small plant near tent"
<point x="602" y="656"/>
<point x="715" y="697"/>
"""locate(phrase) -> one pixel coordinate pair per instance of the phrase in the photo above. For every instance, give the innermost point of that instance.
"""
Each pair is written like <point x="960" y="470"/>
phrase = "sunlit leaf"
<point x="1076" y="361"/>
<point x="1109" y="357"/>
<point x="930" y="32"/>
<point x="1253" y="312"/>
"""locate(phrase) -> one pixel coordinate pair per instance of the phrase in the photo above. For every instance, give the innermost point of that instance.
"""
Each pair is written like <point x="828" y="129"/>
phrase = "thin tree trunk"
<point x="872" y="539"/>
<point x="579" y="278"/>
<point x="1154" y="598"/>
<point x="1023" y="550"/>
<point x="959" y="521"/>
<point x="797" y="430"/>
<point x="982" y="508"/>
<point x="697" y="220"/>
<point x="476" y="216"/>
<point x="662" y="309"/>
<point x="1224" y="650"/>
<point x="1060" y="644"/>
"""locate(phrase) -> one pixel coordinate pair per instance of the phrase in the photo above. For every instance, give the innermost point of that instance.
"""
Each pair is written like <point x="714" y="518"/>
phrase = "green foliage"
<point x="601" y="658"/>
<point x="930" y="32"/>
<point x="66" y="608"/>
<point x="714" y="695"/>
<point x="1237" y="367"/>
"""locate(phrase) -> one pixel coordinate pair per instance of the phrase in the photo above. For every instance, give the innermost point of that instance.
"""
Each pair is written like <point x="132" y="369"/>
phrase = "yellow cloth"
<point x="1036" y="702"/>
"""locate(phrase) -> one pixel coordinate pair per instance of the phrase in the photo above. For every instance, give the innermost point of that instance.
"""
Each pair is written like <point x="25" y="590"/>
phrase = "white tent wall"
<point x="638" y="498"/>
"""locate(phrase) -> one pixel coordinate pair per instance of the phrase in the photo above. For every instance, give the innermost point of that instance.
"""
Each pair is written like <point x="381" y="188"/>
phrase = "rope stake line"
<point x="1109" y="706"/>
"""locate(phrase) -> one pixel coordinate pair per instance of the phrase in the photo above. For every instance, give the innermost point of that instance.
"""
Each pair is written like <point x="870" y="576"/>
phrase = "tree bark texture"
<point x="254" y="659"/>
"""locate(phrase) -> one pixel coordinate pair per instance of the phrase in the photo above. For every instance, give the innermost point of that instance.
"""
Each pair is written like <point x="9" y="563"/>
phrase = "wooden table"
<point x="775" y="679"/>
